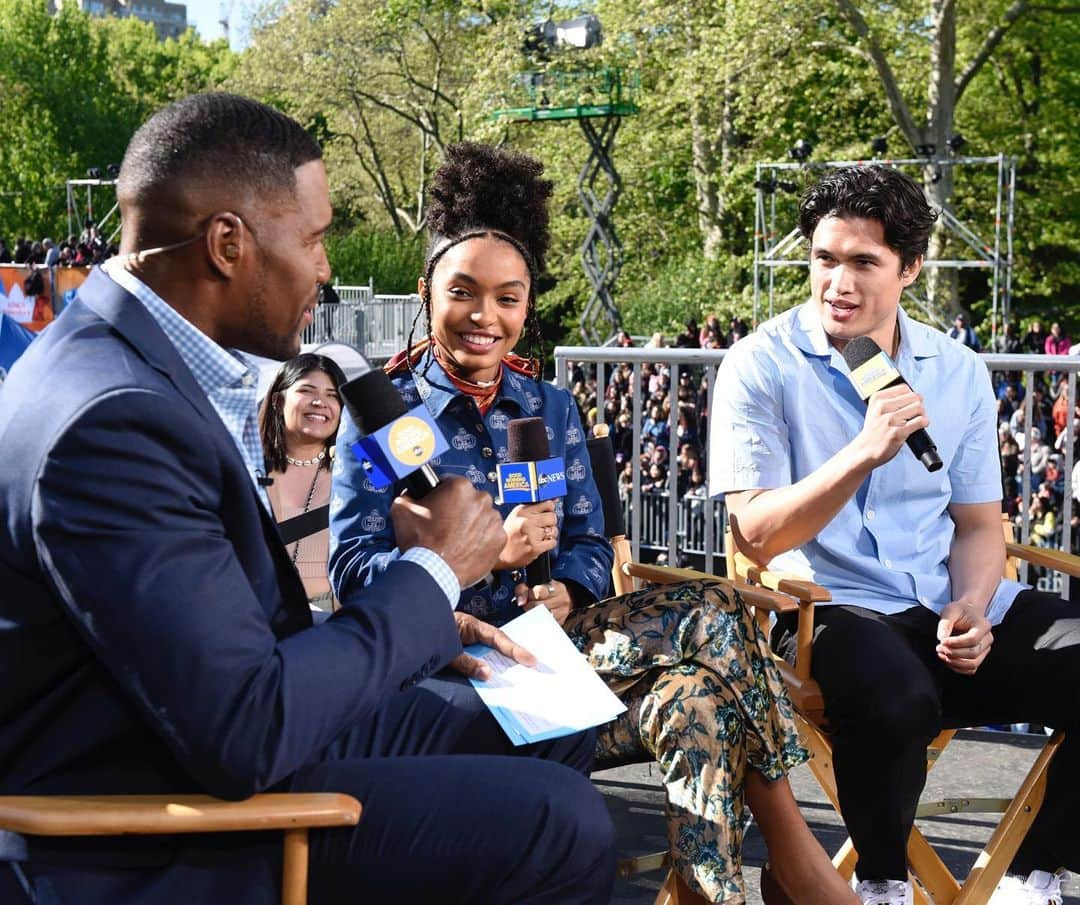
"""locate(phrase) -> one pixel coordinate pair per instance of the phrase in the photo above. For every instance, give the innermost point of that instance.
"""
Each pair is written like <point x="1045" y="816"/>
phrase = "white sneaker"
<point x="1039" y="888"/>
<point x="884" y="892"/>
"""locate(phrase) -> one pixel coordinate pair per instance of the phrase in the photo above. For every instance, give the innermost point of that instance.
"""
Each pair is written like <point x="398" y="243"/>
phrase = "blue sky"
<point x="203" y="15"/>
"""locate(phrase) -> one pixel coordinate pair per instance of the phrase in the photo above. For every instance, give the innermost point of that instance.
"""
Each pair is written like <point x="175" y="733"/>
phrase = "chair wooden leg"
<point x="669" y="891"/>
<point x="845" y="858"/>
<point x="919" y="896"/>
<point x="930" y="870"/>
<point x="994" y="860"/>
<point x="294" y="874"/>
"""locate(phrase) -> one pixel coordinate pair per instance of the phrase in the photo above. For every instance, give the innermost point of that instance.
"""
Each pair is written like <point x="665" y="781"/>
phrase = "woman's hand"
<point x="531" y="529"/>
<point x="555" y="596"/>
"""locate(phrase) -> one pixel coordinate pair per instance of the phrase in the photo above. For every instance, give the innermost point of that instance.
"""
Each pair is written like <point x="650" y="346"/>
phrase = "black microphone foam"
<point x="602" y="457"/>
<point x="873" y="370"/>
<point x="527" y="441"/>
<point x="373" y="402"/>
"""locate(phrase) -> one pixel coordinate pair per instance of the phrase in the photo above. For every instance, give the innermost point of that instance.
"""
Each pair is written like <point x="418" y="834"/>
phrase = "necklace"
<point x="304" y="463"/>
<point x="307" y="506"/>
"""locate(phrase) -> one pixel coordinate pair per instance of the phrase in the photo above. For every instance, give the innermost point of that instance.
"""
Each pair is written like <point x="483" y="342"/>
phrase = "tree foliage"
<point x="386" y="85"/>
<point x="72" y="91"/>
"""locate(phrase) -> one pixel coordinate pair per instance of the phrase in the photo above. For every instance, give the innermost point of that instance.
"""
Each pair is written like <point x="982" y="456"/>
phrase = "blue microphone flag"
<point x="532" y="482"/>
<point x="397" y="449"/>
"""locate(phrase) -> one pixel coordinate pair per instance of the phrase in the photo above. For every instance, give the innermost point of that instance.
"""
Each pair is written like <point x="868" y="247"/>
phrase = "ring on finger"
<point x="550" y="590"/>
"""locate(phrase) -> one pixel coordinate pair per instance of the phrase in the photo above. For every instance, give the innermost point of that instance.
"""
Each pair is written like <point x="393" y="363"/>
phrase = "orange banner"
<point x="27" y="293"/>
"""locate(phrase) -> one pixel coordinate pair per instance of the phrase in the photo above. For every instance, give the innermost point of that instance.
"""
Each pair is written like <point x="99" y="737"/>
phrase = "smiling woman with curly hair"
<point x="702" y="694"/>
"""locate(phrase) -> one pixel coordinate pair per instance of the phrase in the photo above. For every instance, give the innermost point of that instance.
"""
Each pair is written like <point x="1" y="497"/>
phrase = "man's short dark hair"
<point x="873" y="193"/>
<point x="215" y="138"/>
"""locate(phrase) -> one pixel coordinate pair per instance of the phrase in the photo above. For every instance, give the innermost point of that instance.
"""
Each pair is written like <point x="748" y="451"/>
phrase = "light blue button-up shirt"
<point x="784" y="405"/>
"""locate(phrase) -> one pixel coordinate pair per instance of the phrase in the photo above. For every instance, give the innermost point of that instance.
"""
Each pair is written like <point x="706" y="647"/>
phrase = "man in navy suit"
<point x="154" y="636"/>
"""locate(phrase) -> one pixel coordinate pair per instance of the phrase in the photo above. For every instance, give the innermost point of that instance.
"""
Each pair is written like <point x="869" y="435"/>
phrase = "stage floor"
<point x="978" y="764"/>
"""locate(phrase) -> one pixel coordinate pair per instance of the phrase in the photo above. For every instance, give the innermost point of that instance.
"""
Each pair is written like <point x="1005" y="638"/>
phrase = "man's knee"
<point x="890" y="715"/>
<point x="576" y="750"/>
<point x="580" y="821"/>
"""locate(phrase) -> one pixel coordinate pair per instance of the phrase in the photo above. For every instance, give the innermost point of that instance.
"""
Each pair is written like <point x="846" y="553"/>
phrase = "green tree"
<point x="944" y="54"/>
<point x="380" y="83"/>
<point x="72" y="91"/>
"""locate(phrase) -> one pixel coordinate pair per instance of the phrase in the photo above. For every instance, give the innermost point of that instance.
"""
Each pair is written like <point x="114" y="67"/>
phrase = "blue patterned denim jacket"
<point x="362" y="542"/>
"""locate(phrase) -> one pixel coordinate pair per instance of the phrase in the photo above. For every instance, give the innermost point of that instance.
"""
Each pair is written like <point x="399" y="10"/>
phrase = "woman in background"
<point x="299" y="425"/>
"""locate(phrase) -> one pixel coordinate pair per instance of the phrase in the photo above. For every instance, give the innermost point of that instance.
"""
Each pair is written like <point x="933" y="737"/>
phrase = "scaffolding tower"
<point x="80" y="206"/>
<point x="598" y="99"/>
<point x="996" y="255"/>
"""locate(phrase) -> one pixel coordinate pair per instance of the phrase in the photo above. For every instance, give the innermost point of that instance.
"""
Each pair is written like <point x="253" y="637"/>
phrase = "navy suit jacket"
<point x="154" y="636"/>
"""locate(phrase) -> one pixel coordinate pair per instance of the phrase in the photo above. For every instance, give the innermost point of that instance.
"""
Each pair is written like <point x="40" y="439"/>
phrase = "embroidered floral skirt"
<point x="706" y="701"/>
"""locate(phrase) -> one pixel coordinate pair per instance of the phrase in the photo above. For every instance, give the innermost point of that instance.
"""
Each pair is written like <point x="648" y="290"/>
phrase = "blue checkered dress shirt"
<point x="230" y="381"/>
<point x="226" y="376"/>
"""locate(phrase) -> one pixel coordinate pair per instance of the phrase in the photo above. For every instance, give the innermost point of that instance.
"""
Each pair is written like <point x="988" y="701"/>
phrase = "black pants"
<point x="887" y="695"/>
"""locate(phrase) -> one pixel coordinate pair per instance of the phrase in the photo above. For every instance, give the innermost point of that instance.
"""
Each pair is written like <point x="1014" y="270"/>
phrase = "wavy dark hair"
<point x="879" y="193"/>
<point x="484" y="191"/>
<point x="272" y="423"/>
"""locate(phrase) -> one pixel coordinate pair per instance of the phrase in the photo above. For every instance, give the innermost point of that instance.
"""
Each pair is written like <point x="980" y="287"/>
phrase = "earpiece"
<point x="232" y="252"/>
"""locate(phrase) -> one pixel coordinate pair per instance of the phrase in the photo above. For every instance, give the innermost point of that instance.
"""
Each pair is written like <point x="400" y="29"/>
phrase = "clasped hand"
<point x="964" y="637"/>
<point x="555" y="596"/>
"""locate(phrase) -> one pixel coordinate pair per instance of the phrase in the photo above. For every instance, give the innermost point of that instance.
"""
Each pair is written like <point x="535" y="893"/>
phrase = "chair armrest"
<point x="1058" y="560"/>
<point x="112" y="815"/>
<point x="800" y="588"/>
<point x="762" y="598"/>
<point x="665" y="574"/>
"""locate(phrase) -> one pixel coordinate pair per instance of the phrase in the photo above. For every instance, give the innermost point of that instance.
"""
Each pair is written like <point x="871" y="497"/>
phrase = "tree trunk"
<point x="941" y="282"/>
<point x="706" y="185"/>
<point x="712" y="146"/>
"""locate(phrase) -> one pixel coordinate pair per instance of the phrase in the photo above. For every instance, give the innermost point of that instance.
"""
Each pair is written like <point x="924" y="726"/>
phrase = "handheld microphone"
<point x="531" y="475"/>
<point x="398" y="442"/>
<point x="873" y="370"/>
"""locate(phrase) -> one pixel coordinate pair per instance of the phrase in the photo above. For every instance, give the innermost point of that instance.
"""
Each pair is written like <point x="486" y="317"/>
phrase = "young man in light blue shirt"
<point x="923" y="633"/>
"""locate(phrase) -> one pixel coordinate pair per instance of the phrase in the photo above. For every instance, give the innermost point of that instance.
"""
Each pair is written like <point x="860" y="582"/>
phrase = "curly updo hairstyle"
<point x="484" y="191"/>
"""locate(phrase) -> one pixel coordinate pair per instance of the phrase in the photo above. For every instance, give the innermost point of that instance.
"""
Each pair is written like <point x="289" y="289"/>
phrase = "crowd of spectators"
<point x="1056" y="423"/>
<point x="88" y="248"/>
<point x="659" y="452"/>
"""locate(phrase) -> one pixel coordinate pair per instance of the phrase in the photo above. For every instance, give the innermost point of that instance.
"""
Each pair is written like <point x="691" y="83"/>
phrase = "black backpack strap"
<point x="304" y="525"/>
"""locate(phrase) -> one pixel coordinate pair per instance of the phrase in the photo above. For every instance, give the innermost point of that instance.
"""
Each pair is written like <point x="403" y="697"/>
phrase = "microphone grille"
<point x="527" y="440"/>
<point x="372" y="400"/>
<point x="859" y="351"/>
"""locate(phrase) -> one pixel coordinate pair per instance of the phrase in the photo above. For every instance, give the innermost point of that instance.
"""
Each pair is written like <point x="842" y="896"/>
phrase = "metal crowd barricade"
<point x="699" y="529"/>
<point x="377" y="325"/>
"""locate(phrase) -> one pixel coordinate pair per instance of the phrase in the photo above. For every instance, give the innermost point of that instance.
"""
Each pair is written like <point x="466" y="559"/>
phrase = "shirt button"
<point x="248" y="379"/>
<point x="492" y="476"/>
<point x="479" y="428"/>
<point x="925" y="601"/>
<point x="869" y="515"/>
<point x="487" y="451"/>
<point x="888" y="564"/>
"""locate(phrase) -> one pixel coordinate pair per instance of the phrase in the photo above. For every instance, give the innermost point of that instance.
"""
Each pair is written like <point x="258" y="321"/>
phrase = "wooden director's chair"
<point x="933" y="883"/>
<point x="155" y="815"/>
<point x="626" y="575"/>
